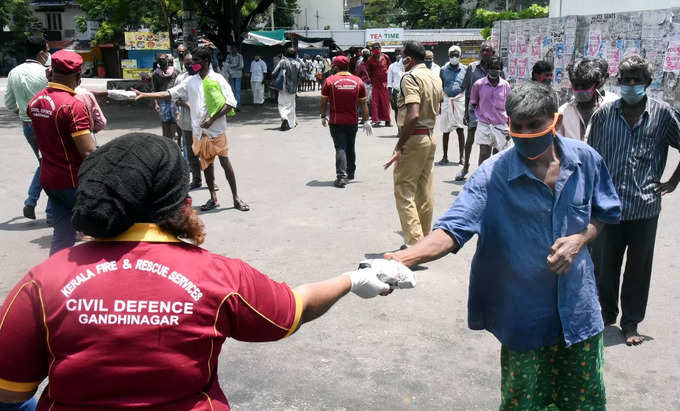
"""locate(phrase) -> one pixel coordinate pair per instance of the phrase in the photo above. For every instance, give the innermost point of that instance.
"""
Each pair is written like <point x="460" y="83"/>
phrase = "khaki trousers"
<point x="414" y="187"/>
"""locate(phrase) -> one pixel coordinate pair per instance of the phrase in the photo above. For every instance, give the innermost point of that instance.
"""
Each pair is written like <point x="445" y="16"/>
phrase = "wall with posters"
<point x="655" y="34"/>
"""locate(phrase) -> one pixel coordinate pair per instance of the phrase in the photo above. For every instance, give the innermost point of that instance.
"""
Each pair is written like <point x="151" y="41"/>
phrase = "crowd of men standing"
<point x="575" y="184"/>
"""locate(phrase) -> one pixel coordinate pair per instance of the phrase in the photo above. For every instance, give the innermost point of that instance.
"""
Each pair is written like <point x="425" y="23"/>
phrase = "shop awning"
<point x="265" y="38"/>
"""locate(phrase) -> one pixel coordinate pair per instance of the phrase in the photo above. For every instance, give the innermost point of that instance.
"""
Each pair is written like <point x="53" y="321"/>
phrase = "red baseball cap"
<point x="341" y="61"/>
<point x="66" y="62"/>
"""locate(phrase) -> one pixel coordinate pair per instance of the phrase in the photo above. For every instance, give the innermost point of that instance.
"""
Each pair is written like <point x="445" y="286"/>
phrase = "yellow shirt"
<point x="420" y="85"/>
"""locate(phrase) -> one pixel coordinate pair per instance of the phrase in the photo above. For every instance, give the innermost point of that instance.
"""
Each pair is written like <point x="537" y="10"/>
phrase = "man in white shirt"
<point x="184" y="123"/>
<point x="257" y="70"/>
<point x="394" y="73"/>
<point x="208" y="120"/>
<point x="235" y="63"/>
<point x="23" y="82"/>
<point x="429" y="63"/>
<point x="587" y="76"/>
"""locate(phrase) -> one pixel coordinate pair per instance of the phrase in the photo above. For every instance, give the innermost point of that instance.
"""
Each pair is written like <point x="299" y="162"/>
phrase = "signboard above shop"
<point x="388" y="38"/>
<point x="141" y="40"/>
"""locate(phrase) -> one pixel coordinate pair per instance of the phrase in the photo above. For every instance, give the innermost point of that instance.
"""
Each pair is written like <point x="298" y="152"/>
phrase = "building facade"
<point x="320" y="14"/>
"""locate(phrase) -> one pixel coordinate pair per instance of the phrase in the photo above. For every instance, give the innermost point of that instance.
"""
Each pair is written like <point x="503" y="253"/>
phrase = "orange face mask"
<point x="534" y="145"/>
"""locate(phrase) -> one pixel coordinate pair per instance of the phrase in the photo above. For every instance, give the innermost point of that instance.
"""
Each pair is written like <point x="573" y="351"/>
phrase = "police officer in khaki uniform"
<point x="418" y="105"/>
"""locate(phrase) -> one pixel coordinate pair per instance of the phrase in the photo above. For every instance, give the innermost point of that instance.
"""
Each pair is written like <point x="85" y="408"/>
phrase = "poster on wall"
<point x="671" y="61"/>
<point x="140" y="40"/>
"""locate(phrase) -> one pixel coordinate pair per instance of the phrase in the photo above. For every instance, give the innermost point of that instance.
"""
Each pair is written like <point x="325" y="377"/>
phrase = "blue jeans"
<point x="35" y="188"/>
<point x="22" y="406"/>
<point x="62" y="204"/>
<point x="236" y="88"/>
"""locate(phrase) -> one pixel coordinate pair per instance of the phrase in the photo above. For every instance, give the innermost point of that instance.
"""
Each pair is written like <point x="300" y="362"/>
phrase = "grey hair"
<point x="455" y="48"/>
<point x="636" y="63"/>
<point x="429" y="52"/>
<point x="531" y="100"/>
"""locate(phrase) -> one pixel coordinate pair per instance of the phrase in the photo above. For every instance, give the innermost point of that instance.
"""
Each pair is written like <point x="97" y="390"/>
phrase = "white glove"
<point x="121" y="95"/>
<point x="365" y="283"/>
<point x="394" y="273"/>
<point x="324" y="121"/>
<point x="368" y="129"/>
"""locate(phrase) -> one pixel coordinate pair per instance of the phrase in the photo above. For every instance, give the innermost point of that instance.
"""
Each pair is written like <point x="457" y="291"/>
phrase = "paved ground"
<point x="409" y="351"/>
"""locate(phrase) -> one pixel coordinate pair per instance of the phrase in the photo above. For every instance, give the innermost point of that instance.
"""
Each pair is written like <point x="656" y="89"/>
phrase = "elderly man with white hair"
<point x="429" y="63"/>
<point x="453" y="106"/>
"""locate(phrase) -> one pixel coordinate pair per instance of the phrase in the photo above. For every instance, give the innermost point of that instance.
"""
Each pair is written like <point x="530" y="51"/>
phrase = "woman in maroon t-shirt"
<point x="139" y="309"/>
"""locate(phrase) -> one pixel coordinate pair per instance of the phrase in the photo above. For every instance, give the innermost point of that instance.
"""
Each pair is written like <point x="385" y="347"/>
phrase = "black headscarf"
<point x="135" y="178"/>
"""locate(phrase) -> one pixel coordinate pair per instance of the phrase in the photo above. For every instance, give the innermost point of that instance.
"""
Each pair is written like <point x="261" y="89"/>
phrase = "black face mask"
<point x="163" y="64"/>
<point x="189" y="69"/>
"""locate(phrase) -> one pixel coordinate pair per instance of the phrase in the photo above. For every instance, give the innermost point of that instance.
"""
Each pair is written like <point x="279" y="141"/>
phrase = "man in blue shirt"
<point x="453" y="105"/>
<point x="535" y="207"/>
<point x="632" y="134"/>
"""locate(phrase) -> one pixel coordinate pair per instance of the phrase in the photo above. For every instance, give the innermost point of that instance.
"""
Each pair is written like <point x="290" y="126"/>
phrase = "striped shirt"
<point x="636" y="157"/>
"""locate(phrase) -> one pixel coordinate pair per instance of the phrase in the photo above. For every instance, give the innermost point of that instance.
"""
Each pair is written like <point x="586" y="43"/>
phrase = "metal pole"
<point x="271" y="16"/>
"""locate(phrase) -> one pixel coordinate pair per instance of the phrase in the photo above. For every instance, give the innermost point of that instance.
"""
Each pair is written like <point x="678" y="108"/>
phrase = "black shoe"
<point x="29" y="212"/>
<point x="461" y="176"/>
<point x="388" y="124"/>
<point x="285" y="126"/>
<point x="340" y="182"/>
<point x="195" y="185"/>
<point x="350" y="176"/>
<point x="49" y="222"/>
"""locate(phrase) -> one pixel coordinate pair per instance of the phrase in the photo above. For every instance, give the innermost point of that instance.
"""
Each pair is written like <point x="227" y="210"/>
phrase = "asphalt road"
<point x="411" y="350"/>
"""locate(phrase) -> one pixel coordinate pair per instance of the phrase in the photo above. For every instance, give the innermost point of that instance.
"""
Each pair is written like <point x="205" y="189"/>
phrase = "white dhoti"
<point x="494" y="135"/>
<point x="287" y="107"/>
<point x="258" y="92"/>
<point x="453" y="111"/>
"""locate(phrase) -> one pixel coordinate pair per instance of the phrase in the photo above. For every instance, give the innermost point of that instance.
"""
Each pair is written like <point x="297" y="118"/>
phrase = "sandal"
<point x="209" y="205"/>
<point x="241" y="205"/>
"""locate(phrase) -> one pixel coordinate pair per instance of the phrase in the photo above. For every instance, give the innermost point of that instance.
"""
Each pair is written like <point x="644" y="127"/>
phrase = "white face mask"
<point x="454" y="60"/>
<point x="48" y="61"/>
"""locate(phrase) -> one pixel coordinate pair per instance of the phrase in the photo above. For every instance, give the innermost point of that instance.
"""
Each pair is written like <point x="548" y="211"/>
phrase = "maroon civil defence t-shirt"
<point x="343" y="91"/>
<point x="138" y="320"/>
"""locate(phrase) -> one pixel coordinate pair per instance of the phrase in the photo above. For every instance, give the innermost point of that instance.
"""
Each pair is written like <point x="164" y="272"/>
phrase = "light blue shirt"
<point x="24" y="82"/>
<point x="513" y="294"/>
<point x="452" y="79"/>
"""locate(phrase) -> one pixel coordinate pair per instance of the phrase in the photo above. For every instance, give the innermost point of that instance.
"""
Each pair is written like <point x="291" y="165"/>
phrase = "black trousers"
<point x="635" y="238"/>
<point x="344" y="137"/>
<point x="194" y="164"/>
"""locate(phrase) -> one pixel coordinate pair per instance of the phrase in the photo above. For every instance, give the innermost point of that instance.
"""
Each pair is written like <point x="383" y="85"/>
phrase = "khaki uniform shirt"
<point x="420" y="86"/>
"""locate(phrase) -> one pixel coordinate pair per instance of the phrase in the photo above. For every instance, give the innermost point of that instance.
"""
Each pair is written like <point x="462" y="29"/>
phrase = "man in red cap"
<point x="344" y="91"/>
<point x="62" y="129"/>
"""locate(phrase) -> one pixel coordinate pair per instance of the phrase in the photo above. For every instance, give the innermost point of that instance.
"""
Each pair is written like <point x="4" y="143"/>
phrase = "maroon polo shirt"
<point x="138" y="320"/>
<point x="57" y="117"/>
<point x="343" y="91"/>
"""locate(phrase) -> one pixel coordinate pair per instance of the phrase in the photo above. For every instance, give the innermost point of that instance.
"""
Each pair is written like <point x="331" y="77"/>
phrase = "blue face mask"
<point x="632" y="94"/>
<point x="533" y="146"/>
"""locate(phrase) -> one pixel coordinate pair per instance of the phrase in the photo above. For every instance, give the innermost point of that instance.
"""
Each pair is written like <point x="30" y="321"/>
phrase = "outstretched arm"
<point x="434" y="246"/>
<point x="318" y="297"/>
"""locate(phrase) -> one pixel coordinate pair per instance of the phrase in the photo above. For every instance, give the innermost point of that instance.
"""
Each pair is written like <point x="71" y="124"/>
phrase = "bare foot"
<point x="632" y="337"/>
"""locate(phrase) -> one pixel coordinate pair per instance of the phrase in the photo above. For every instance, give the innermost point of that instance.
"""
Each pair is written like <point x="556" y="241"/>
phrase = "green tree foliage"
<point x="285" y="12"/>
<point x="485" y="18"/>
<point x="380" y="13"/>
<point x="429" y="14"/>
<point x="222" y="21"/>
<point x="118" y="16"/>
<point x="20" y="18"/>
